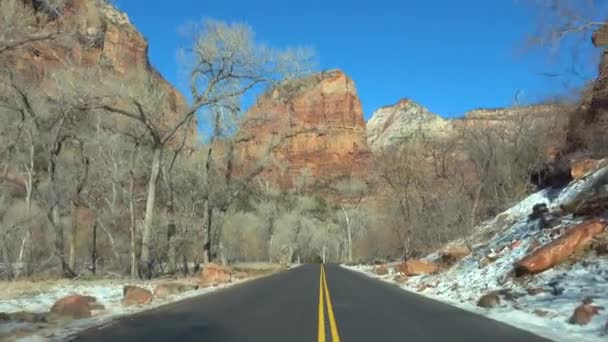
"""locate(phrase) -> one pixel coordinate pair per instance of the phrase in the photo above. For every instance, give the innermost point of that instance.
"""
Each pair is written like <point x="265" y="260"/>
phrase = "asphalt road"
<point x="304" y="305"/>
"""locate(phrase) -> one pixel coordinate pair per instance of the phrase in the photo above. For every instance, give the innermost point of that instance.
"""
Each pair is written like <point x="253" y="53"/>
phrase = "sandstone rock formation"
<point x="391" y="125"/>
<point x="75" y="306"/>
<point x="94" y="34"/>
<point x="416" y="267"/>
<point x="452" y="254"/>
<point x="583" y="314"/>
<point x="311" y="129"/>
<point x="168" y="289"/>
<point x="405" y="121"/>
<point x="589" y="122"/>
<point x="559" y="250"/>
<point x="580" y="168"/>
<point x="134" y="295"/>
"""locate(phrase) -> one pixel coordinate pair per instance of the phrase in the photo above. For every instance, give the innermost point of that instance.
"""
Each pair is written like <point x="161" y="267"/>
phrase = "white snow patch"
<point x="565" y="285"/>
<point x="109" y="293"/>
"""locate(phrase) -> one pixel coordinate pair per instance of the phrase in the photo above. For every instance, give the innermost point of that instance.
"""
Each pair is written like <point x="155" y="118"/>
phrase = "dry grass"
<point x="258" y="269"/>
<point x="24" y="288"/>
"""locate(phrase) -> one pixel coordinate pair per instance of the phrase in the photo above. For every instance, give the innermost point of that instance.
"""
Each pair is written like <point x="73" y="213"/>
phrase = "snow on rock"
<point x="107" y="292"/>
<point x="498" y="244"/>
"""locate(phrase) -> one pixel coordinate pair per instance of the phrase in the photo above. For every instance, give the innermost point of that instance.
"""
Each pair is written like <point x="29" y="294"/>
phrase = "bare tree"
<point x="18" y="25"/>
<point x="226" y="63"/>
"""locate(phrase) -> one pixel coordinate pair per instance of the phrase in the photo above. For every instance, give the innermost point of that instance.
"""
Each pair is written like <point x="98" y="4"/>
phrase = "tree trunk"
<point x="53" y="215"/>
<point x="72" y="257"/>
<point x="323" y="253"/>
<point x="172" y="249"/>
<point x="145" y="260"/>
<point x="185" y="265"/>
<point x="475" y="205"/>
<point x="132" y="226"/>
<point x="349" y="236"/>
<point x="94" y="250"/>
<point x="22" y="251"/>
<point x="8" y="264"/>
<point x="208" y="253"/>
<point x="270" y="249"/>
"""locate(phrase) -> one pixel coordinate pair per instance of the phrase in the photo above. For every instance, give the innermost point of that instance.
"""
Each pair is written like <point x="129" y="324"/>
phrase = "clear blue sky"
<point x="451" y="56"/>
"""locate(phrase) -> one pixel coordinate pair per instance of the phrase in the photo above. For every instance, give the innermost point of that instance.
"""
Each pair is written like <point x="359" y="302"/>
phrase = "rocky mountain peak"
<point x="318" y="120"/>
<point x="390" y="125"/>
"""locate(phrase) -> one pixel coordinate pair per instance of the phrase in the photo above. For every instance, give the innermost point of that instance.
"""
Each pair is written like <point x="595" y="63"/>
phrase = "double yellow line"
<point x="324" y="295"/>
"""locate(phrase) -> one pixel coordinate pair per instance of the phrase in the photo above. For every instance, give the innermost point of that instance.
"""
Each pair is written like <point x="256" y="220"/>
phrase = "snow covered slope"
<point x="499" y="243"/>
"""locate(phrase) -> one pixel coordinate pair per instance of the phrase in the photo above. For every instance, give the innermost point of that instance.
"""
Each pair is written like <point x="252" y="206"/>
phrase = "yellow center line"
<point x="321" y="309"/>
<point x="324" y="294"/>
<point x="332" y="320"/>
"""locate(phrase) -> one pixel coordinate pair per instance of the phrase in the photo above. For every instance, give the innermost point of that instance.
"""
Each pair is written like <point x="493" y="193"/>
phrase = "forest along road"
<point x="308" y="303"/>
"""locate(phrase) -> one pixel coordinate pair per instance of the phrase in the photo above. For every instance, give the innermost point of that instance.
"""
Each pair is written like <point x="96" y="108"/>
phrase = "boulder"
<point x="560" y="249"/>
<point x="580" y="168"/>
<point x="381" y="270"/>
<point x="453" y="254"/>
<point x="75" y="306"/>
<point x="168" y="289"/>
<point x="489" y="300"/>
<point x="134" y="295"/>
<point x="416" y="267"/>
<point x="213" y="274"/>
<point x="583" y="314"/>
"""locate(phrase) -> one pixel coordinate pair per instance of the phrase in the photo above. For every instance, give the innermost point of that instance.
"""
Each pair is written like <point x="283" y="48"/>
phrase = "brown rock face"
<point x="75" y="306"/>
<point x="316" y="127"/>
<point x="416" y="267"/>
<point x="588" y="124"/>
<point x="134" y="295"/>
<point x="95" y="35"/>
<point x="559" y="250"/>
<point x="453" y="254"/>
<point x="579" y="169"/>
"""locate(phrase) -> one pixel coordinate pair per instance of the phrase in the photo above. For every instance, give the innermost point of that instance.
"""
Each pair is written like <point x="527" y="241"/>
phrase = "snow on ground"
<point x="116" y="310"/>
<point x="565" y="286"/>
<point x="108" y="292"/>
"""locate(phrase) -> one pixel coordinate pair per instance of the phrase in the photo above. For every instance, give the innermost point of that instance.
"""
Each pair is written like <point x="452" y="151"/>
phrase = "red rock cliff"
<point x="316" y="131"/>
<point x="94" y="34"/>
